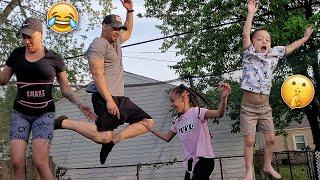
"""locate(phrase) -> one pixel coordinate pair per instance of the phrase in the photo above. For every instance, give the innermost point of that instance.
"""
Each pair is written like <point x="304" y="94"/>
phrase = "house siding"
<point x="70" y="150"/>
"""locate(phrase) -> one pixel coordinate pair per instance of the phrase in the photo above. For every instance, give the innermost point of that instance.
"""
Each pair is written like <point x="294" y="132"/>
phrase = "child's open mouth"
<point x="263" y="48"/>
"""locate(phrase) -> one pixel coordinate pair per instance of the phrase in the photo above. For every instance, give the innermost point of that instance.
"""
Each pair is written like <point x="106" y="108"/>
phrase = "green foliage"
<point x="5" y="111"/>
<point x="57" y="94"/>
<point x="214" y="44"/>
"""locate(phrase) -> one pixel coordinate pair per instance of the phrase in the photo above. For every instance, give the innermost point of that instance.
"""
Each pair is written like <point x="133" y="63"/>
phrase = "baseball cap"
<point x="114" y="21"/>
<point x="30" y="26"/>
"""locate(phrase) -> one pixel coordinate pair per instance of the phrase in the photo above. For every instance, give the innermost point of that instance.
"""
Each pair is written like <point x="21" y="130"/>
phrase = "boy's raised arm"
<point x="252" y="9"/>
<point x="295" y="45"/>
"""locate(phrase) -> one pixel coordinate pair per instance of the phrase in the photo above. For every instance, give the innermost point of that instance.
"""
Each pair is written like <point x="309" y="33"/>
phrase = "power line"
<point x="151" y="40"/>
<point x="126" y="85"/>
<point x="152" y="83"/>
<point x="183" y="77"/>
<point x="161" y="38"/>
<point x="166" y="37"/>
<point x="150" y="52"/>
<point x="141" y="58"/>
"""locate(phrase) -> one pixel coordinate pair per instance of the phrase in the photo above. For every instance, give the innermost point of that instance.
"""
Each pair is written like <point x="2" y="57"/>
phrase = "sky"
<point x="140" y="59"/>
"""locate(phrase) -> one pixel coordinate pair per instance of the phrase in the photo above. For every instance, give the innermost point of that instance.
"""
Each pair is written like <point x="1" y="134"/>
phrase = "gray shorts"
<point x="41" y="126"/>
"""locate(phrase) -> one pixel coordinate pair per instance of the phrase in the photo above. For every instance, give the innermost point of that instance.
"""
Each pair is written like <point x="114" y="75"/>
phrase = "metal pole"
<point x="276" y="154"/>
<point x="221" y="170"/>
<point x="317" y="163"/>
<point x="309" y="169"/>
<point x="290" y="165"/>
<point x="138" y="169"/>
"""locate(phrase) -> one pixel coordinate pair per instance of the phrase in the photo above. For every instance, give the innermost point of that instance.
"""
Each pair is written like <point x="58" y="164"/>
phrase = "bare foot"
<point x="249" y="175"/>
<point x="271" y="172"/>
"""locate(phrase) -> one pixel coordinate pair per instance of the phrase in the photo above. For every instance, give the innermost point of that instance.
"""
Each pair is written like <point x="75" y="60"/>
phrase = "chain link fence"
<point x="293" y="165"/>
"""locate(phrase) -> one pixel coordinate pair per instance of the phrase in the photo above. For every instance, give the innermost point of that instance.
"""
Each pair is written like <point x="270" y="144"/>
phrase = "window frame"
<point x="295" y="143"/>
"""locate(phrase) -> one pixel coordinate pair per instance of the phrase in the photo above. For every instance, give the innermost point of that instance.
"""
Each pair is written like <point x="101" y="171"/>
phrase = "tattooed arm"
<point x="72" y="97"/>
<point x="66" y="89"/>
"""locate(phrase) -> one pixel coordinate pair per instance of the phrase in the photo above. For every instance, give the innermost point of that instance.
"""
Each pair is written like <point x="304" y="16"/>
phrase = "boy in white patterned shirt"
<point x="259" y="61"/>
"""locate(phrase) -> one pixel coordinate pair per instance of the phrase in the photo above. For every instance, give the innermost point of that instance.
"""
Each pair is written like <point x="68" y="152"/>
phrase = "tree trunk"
<point x="313" y="110"/>
<point x="6" y="12"/>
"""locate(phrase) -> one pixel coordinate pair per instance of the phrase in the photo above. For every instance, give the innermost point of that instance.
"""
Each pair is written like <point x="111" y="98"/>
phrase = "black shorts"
<point x="202" y="170"/>
<point x="129" y="112"/>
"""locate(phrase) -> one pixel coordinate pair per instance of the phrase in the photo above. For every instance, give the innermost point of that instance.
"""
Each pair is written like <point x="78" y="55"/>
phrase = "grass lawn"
<point x="299" y="172"/>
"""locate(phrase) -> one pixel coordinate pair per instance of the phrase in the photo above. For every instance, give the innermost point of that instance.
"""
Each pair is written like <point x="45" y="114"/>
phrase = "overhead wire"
<point x="152" y="40"/>
<point x="150" y="59"/>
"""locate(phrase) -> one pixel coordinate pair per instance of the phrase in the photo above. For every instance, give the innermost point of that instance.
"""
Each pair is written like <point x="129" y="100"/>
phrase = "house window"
<point x="300" y="142"/>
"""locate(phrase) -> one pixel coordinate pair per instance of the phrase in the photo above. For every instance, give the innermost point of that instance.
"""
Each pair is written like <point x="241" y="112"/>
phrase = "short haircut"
<point x="255" y="31"/>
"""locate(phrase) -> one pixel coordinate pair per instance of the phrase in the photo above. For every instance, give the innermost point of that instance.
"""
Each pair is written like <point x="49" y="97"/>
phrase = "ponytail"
<point x="193" y="94"/>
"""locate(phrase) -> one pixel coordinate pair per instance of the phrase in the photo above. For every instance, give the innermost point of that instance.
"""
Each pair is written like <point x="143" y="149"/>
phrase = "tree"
<point x="212" y="48"/>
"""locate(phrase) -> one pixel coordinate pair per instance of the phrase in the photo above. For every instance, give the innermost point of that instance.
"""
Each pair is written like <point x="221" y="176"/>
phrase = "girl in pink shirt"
<point x="192" y="129"/>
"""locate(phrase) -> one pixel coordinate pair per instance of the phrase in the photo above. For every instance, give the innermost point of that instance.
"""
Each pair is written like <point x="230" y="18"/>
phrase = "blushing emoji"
<point x="297" y="91"/>
<point x="62" y="17"/>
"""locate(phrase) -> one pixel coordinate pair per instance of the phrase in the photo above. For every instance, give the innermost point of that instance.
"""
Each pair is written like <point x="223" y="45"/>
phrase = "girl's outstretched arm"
<point x="225" y="90"/>
<point x="166" y="136"/>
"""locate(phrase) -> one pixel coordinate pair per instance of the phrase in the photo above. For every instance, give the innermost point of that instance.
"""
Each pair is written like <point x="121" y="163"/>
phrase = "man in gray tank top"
<point x="107" y="51"/>
<point x="112" y="107"/>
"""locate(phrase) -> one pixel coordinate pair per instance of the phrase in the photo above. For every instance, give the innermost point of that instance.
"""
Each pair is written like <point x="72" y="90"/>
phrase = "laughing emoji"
<point x="62" y="17"/>
<point x="297" y="91"/>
